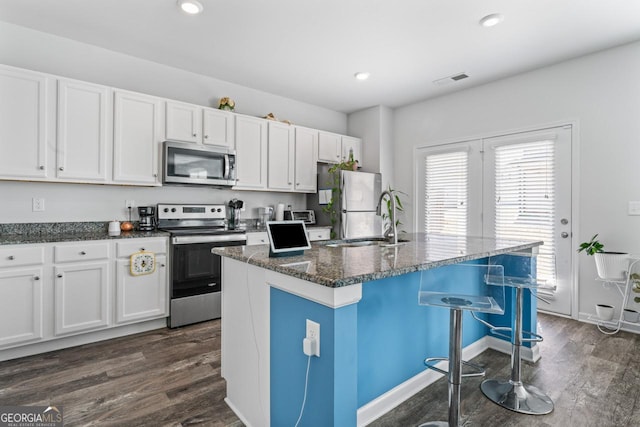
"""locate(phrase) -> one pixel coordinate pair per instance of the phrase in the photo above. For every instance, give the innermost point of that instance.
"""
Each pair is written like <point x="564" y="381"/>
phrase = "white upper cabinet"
<point x="329" y="147"/>
<point x="184" y="122"/>
<point x="27" y="111"/>
<point x="218" y="127"/>
<point x="84" y="131"/>
<point x="281" y="157"/>
<point x="352" y="143"/>
<point x="200" y="125"/>
<point x="306" y="160"/>
<point x="251" y="153"/>
<point x="136" y="138"/>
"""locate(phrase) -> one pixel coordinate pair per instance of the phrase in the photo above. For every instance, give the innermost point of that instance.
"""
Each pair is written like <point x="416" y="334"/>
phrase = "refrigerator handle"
<point x="343" y="224"/>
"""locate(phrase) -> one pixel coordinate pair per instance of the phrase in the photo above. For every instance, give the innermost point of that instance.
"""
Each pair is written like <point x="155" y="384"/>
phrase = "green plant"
<point x="334" y="184"/>
<point x="591" y="247"/>
<point x="399" y="208"/>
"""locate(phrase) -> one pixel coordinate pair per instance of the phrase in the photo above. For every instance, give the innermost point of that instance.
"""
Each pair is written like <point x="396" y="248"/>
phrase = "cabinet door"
<point x="352" y="143"/>
<point x="136" y="139"/>
<point x="218" y="128"/>
<point x="20" y="305"/>
<point x="251" y="152"/>
<point x="83" y="126"/>
<point x="141" y="297"/>
<point x="81" y="297"/>
<point x="306" y="161"/>
<point x="25" y="112"/>
<point x="183" y="122"/>
<point x="329" y="147"/>
<point x="281" y="156"/>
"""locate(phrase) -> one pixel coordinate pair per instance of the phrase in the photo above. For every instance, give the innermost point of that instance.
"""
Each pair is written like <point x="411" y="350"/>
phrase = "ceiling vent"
<point x="450" y="79"/>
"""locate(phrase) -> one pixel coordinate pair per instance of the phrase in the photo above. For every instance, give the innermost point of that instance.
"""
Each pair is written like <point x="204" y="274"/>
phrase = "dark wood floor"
<point x="172" y="378"/>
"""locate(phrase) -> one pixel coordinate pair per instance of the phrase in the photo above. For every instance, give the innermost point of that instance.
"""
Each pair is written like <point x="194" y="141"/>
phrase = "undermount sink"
<point x="371" y="242"/>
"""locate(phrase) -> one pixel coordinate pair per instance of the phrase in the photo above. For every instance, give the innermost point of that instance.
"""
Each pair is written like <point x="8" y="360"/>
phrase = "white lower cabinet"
<point x="140" y="297"/>
<point x="56" y="292"/>
<point x="144" y="296"/>
<point x="20" y="305"/>
<point x="81" y="297"/>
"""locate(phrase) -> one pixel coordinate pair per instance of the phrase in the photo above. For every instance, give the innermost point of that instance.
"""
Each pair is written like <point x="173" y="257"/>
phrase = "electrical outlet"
<point x="37" y="204"/>
<point x="313" y="333"/>
<point x="129" y="204"/>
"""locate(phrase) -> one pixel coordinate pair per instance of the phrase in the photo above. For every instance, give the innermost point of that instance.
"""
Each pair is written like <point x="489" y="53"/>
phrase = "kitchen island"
<point x="374" y="336"/>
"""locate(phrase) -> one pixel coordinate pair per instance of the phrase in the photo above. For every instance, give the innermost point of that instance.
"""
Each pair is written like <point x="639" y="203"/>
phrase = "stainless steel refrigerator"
<point x="355" y="205"/>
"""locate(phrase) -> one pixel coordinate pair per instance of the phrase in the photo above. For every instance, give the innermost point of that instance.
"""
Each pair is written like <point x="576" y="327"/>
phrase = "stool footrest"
<point x="478" y="371"/>
<point x="497" y="330"/>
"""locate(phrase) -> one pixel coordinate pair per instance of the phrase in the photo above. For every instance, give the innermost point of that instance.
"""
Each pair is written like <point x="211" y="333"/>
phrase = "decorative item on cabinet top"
<point x="272" y="116"/>
<point x="227" y="104"/>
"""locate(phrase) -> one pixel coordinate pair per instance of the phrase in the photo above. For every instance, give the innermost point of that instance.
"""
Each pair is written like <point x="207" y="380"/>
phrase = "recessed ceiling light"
<point x="361" y="75"/>
<point x="192" y="7"/>
<point x="491" y="20"/>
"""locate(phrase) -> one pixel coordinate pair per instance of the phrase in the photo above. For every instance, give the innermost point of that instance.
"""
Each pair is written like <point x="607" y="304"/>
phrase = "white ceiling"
<point x="309" y="50"/>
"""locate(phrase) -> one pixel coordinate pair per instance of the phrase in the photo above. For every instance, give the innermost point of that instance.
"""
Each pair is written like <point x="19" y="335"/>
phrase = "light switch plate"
<point x="634" y="208"/>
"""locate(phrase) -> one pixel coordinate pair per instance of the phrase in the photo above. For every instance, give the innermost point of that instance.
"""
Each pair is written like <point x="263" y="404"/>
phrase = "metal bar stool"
<point x="462" y="287"/>
<point x="514" y="394"/>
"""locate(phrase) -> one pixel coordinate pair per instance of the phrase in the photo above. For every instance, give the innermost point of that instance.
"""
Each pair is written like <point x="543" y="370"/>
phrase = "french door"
<point x="516" y="186"/>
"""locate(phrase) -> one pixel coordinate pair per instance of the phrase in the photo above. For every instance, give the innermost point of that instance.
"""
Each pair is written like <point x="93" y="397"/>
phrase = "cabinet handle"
<point x="41" y="168"/>
<point x="206" y="137"/>
<point x="161" y="265"/>
<point x="11" y="257"/>
<point x="83" y="253"/>
<point x="155" y="175"/>
<point x="289" y="183"/>
<point x="36" y="277"/>
<point x="142" y="249"/>
<point x="60" y="275"/>
<point x="61" y="168"/>
<point x="195" y="134"/>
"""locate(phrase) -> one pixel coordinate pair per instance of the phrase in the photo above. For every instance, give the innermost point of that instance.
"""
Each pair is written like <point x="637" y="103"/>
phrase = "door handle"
<point x="564" y="234"/>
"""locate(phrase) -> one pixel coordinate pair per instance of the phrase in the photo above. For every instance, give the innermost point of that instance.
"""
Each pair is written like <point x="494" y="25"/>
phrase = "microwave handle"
<point x="227" y="167"/>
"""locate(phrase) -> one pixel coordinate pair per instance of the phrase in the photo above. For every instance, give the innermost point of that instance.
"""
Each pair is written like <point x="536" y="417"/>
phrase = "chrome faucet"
<point x="392" y="217"/>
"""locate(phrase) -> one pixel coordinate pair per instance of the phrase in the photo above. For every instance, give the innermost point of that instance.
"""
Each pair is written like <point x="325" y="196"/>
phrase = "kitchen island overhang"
<point x="374" y="335"/>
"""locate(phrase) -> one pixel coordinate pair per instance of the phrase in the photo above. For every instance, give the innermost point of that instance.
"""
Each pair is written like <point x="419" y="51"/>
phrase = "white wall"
<point x="602" y="92"/>
<point x="25" y="48"/>
<point x="375" y="126"/>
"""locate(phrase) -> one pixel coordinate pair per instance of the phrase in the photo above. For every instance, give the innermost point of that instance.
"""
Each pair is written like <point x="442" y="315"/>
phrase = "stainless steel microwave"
<point x="186" y="163"/>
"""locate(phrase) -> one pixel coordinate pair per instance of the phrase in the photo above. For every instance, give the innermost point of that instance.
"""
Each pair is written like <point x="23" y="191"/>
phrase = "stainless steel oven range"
<point x="196" y="276"/>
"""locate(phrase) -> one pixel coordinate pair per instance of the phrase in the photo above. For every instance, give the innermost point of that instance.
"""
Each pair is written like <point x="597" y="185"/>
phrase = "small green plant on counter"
<point x="334" y="184"/>
<point x="399" y="208"/>
<point x="591" y="247"/>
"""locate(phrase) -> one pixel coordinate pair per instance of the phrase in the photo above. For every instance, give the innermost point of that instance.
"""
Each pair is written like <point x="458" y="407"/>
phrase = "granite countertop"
<point x="334" y="267"/>
<point x="52" y="232"/>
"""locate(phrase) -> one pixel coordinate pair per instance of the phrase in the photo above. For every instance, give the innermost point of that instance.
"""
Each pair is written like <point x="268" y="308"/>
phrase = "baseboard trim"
<point x="627" y="327"/>
<point x="394" y="397"/>
<point x="53" y="344"/>
<point x="237" y="412"/>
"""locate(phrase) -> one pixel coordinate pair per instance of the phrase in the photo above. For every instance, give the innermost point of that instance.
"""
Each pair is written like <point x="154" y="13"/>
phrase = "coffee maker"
<point x="147" y="216"/>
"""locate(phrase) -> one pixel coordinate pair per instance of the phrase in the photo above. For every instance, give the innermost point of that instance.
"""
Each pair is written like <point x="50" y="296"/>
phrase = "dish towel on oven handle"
<point x="142" y="263"/>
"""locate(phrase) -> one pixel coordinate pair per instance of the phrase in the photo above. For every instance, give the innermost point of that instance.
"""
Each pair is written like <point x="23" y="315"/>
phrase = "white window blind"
<point x="446" y="193"/>
<point x="524" y="191"/>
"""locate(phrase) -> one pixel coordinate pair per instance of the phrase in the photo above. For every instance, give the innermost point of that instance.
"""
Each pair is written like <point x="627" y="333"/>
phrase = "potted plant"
<point x="611" y="266"/>
<point x="388" y="229"/>
<point x="334" y="184"/>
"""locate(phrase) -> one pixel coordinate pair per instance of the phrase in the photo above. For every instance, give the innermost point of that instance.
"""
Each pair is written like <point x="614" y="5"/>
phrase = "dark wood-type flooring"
<point x="172" y="378"/>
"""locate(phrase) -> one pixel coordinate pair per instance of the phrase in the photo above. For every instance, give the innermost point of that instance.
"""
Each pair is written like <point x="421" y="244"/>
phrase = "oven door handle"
<point x="239" y="239"/>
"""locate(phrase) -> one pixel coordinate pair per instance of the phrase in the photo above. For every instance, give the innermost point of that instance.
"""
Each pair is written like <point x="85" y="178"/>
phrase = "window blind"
<point x="446" y="193"/>
<point x="525" y="198"/>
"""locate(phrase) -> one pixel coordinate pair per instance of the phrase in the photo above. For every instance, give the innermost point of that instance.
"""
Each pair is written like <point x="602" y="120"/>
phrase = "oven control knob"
<point x="213" y="209"/>
<point x="219" y="210"/>
<point x="173" y="209"/>
<point x="166" y="209"/>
